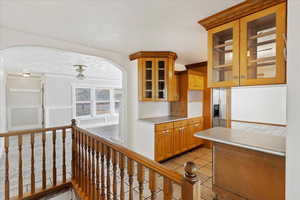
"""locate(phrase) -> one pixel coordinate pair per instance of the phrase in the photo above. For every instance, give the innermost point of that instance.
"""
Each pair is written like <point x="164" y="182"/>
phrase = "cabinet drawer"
<point x="164" y="126"/>
<point x="180" y="123"/>
<point x="195" y="120"/>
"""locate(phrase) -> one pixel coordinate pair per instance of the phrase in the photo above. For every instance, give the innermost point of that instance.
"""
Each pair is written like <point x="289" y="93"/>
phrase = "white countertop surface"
<point x="164" y="119"/>
<point x="255" y="141"/>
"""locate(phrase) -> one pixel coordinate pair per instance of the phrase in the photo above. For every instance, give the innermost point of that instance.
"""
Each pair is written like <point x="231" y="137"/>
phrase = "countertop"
<point x="164" y="119"/>
<point x="255" y="141"/>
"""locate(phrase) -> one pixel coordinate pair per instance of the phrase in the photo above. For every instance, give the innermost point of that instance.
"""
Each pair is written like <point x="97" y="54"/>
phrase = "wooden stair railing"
<point x="104" y="176"/>
<point x="32" y="135"/>
<point x="101" y="169"/>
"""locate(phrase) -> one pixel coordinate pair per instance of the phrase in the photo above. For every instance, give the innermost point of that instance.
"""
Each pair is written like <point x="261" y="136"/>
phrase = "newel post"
<point x="73" y="124"/>
<point x="191" y="189"/>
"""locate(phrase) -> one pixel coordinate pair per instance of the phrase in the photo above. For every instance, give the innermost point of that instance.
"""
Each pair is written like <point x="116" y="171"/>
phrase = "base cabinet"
<point x="194" y="126"/>
<point x="163" y="141"/>
<point x="173" y="138"/>
<point x="180" y="137"/>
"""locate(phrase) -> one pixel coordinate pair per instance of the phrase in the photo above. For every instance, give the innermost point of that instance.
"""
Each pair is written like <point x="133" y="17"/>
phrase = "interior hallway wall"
<point x="293" y="102"/>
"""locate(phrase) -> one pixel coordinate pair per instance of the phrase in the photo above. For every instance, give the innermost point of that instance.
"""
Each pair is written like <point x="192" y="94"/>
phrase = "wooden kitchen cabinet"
<point x="223" y="55"/>
<point x="195" y="125"/>
<point x="164" y="141"/>
<point x="249" y="50"/>
<point x="156" y="76"/>
<point x="180" y="137"/>
<point x="173" y="138"/>
<point x="263" y="47"/>
<point x="195" y="80"/>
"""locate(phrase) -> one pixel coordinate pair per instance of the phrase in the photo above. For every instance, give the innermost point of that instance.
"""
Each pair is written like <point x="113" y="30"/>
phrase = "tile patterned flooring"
<point x="202" y="157"/>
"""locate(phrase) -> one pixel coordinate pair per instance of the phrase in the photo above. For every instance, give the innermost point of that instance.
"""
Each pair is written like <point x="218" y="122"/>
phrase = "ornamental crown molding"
<point x="238" y="11"/>
<point x="153" y="54"/>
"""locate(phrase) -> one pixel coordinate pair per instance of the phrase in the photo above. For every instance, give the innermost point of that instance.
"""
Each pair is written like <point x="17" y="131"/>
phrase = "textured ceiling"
<point x="118" y="25"/>
<point x="51" y="61"/>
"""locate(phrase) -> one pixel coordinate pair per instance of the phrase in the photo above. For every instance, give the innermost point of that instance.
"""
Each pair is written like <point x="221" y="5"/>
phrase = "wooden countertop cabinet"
<point x="195" y="125"/>
<point x="249" y="50"/>
<point x="164" y="141"/>
<point x="173" y="138"/>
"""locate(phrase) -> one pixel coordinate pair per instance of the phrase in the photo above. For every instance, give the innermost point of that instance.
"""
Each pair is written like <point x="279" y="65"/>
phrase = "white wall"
<point x="2" y="100"/>
<point x="58" y="98"/>
<point x="293" y="102"/>
<point x="195" y="103"/>
<point x="2" y="107"/>
<point x="266" y="104"/>
<point x="153" y="109"/>
<point x="140" y="136"/>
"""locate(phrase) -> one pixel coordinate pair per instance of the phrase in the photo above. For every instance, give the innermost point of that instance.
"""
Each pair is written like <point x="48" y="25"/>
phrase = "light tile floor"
<point x="202" y="157"/>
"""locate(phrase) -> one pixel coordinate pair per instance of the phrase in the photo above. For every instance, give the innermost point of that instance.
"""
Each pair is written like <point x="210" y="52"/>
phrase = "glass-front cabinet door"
<point x="262" y="47"/>
<point x="223" y="55"/>
<point x="148" y="85"/>
<point x="161" y="79"/>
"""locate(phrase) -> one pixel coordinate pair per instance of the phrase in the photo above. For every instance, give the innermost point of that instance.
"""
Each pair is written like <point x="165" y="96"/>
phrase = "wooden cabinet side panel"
<point x="179" y="108"/>
<point x="159" y="152"/>
<point x="247" y="173"/>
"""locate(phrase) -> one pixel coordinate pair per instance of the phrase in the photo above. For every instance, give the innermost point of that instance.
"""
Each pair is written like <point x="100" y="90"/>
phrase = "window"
<point x="117" y="98"/>
<point x="93" y="101"/>
<point x="102" y="101"/>
<point x="83" y="102"/>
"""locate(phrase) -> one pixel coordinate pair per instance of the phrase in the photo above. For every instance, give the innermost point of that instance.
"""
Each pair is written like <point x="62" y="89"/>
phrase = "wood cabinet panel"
<point x="178" y="140"/>
<point x="181" y="123"/>
<point x="164" y="126"/>
<point x="180" y="136"/>
<point x="250" y="50"/>
<point x="163" y="144"/>
<point x="195" y="125"/>
<point x="173" y="138"/>
<point x="223" y="55"/>
<point x="156" y="76"/>
<point x="196" y="82"/>
<point x="258" y="175"/>
<point x="262" y="47"/>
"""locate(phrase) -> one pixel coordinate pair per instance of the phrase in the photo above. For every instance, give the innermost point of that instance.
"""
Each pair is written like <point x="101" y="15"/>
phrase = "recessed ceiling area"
<point x="117" y="25"/>
<point x="41" y="60"/>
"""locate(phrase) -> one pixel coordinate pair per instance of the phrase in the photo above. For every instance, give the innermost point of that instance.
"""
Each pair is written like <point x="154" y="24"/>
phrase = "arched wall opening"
<point x="53" y="67"/>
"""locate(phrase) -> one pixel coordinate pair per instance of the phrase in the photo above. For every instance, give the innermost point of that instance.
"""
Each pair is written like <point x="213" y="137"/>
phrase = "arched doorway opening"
<point x="39" y="88"/>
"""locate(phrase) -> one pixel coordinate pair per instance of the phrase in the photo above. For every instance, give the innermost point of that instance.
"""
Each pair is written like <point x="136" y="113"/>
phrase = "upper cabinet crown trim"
<point x="153" y="54"/>
<point x="236" y="12"/>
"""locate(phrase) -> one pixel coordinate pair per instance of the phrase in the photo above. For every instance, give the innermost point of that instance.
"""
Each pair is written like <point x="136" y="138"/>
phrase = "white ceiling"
<point x="122" y="26"/>
<point x="42" y="60"/>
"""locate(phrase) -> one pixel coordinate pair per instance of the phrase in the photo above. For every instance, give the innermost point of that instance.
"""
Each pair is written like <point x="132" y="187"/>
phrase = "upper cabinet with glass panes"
<point x="250" y="49"/>
<point x="156" y="76"/>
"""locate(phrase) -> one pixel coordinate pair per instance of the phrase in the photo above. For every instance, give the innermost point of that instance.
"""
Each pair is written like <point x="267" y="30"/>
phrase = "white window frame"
<point x="75" y="102"/>
<point x="93" y="101"/>
<point x="114" y="101"/>
<point x="103" y="101"/>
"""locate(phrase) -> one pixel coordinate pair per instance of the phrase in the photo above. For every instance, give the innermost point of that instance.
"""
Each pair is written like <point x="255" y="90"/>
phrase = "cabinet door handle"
<point x="235" y="77"/>
<point x="243" y="77"/>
